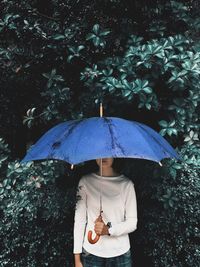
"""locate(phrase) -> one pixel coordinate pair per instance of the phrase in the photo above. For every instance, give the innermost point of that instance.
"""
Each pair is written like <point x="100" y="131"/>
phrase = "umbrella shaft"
<point x="101" y="171"/>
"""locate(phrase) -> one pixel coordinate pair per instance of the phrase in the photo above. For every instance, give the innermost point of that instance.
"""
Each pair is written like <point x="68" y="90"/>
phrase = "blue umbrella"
<point x="81" y="140"/>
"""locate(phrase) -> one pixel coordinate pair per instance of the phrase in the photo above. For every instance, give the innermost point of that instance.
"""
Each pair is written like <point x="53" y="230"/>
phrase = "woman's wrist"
<point x="77" y="257"/>
<point x="105" y="231"/>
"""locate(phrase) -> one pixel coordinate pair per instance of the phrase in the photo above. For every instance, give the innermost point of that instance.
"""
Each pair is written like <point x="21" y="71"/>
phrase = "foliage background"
<point x="58" y="60"/>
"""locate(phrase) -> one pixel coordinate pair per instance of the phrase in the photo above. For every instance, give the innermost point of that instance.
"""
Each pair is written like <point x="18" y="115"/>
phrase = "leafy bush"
<point x="35" y="228"/>
<point x="169" y="211"/>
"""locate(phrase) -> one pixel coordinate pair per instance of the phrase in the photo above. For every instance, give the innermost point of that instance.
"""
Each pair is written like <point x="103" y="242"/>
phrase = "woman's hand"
<point x="100" y="227"/>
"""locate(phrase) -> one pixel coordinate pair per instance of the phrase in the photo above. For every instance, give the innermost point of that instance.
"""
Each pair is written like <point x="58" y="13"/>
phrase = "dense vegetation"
<point x="58" y="60"/>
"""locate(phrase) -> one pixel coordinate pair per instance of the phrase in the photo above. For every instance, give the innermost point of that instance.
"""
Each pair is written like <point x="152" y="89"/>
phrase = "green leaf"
<point x="163" y="132"/>
<point x="163" y="123"/>
<point x="97" y="41"/>
<point x="69" y="58"/>
<point x="81" y="47"/>
<point x="171" y="203"/>
<point x="1" y="191"/>
<point x="148" y="106"/>
<point x="104" y="33"/>
<point x="96" y="28"/>
<point x="126" y="93"/>
<point x="58" y="37"/>
<point x="138" y="82"/>
<point x="147" y="90"/>
<point x="90" y="36"/>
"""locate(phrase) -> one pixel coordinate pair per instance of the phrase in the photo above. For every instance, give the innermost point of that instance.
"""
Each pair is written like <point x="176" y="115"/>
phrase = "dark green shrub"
<point x="36" y="217"/>
<point x="169" y="211"/>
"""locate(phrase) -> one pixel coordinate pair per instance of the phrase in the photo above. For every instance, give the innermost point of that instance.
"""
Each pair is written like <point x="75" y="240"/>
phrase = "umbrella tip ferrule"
<point x="101" y="109"/>
<point x="72" y="166"/>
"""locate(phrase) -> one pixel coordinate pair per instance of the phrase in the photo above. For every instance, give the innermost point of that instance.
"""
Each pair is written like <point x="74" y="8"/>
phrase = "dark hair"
<point x="92" y="166"/>
<point x="118" y="165"/>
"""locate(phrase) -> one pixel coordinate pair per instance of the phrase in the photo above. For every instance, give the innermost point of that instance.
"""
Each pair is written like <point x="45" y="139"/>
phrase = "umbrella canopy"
<point x="81" y="140"/>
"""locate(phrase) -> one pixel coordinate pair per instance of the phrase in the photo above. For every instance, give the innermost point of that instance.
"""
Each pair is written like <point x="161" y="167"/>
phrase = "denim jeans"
<point x="90" y="260"/>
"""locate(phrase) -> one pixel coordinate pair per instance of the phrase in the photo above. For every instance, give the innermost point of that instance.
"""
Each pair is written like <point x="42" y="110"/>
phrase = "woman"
<point x="118" y="219"/>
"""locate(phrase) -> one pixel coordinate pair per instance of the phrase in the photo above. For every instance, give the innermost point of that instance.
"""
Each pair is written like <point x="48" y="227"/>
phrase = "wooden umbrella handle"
<point x="96" y="239"/>
<point x="93" y="241"/>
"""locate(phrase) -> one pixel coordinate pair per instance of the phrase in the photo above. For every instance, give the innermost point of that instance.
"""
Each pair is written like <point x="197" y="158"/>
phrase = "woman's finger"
<point x="97" y="232"/>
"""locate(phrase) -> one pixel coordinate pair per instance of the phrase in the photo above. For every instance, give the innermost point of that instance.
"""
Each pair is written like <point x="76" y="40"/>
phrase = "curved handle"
<point x="93" y="241"/>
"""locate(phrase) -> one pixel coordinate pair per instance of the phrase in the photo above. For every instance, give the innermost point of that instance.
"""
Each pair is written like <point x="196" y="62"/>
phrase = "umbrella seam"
<point x="111" y="131"/>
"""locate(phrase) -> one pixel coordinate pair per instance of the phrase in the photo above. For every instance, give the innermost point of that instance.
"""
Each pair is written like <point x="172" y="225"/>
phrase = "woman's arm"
<point x="130" y="223"/>
<point x="80" y="219"/>
<point x="77" y="260"/>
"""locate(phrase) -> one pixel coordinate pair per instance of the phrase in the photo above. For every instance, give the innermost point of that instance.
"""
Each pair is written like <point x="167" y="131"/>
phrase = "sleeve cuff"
<point x="77" y="251"/>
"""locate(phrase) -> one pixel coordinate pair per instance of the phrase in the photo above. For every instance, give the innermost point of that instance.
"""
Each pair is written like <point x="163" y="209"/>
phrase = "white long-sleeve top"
<point x="119" y="207"/>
